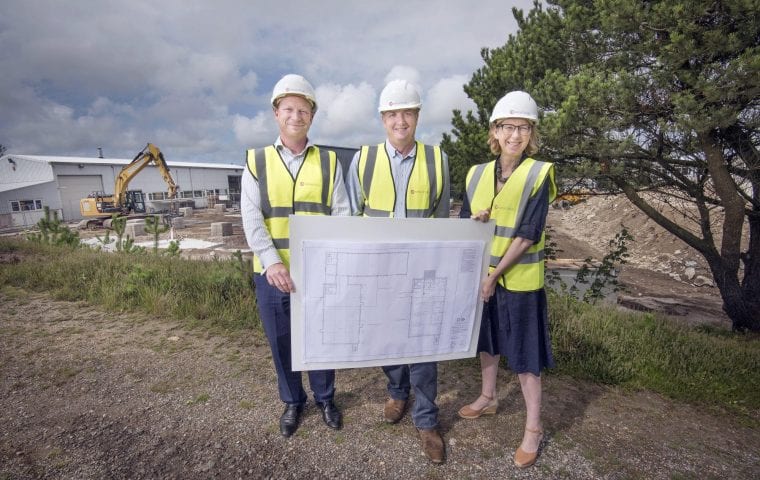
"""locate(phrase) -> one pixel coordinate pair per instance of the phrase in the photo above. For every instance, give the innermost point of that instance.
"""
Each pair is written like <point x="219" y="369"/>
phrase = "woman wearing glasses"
<point x="515" y="191"/>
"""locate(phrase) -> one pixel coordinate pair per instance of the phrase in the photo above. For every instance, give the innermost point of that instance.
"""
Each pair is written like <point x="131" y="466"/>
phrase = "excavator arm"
<point x="149" y="154"/>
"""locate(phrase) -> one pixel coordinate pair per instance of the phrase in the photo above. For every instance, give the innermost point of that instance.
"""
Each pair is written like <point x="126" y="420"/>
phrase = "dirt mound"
<point x="663" y="273"/>
<point x="598" y="219"/>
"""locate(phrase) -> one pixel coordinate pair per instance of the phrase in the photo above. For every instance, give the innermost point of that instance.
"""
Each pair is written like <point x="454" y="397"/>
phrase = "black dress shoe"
<point x="290" y="419"/>
<point x="331" y="415"/>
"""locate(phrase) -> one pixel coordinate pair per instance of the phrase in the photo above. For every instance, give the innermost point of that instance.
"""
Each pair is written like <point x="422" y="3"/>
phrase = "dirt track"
<point x="90" y="394"/>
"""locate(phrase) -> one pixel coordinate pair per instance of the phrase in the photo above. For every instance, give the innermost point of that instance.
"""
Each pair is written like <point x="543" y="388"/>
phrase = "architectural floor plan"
<point x="385" y="301"/>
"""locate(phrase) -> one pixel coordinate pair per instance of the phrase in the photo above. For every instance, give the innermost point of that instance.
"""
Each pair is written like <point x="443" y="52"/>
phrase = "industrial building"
<point x="28" y="183"/>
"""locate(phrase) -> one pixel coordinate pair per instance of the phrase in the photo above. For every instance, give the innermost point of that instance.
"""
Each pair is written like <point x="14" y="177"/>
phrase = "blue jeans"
<point x="274" y="310"/>
<point x="423" y="377"/>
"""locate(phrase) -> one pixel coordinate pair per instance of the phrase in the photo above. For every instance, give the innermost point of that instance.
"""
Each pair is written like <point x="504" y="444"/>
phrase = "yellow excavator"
<point x="99" y="206"/>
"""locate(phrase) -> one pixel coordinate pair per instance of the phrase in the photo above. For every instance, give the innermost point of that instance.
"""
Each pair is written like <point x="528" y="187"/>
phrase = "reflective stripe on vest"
<point x="423" y="192"/>
<point x="310" y="193"/>
<point x="480" y="185"/>
<point x="508" y="210"/>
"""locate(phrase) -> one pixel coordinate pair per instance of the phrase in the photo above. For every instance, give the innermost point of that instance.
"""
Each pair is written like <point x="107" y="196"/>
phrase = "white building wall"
<point x="27" y="169"/>
<point x="46" y="192"/>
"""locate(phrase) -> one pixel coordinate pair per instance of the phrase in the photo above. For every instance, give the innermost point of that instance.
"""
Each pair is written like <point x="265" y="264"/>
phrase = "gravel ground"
<point x="89" y="394"/>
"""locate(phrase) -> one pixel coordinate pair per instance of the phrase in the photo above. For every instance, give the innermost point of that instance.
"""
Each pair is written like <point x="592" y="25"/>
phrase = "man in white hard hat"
<point x="286" y="178"/>
<point x="407" y="179"/>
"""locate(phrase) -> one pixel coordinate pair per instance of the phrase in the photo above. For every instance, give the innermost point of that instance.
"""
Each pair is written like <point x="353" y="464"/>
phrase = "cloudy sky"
<point x="195" y="77"/>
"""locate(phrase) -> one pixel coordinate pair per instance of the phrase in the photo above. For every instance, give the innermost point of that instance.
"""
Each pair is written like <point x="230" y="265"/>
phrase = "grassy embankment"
<point x="707" y="366"/>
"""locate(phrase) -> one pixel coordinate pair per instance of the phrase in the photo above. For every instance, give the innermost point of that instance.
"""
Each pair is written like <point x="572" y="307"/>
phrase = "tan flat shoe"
<point x="525" y="459"/>
<point x="470" y="413"/>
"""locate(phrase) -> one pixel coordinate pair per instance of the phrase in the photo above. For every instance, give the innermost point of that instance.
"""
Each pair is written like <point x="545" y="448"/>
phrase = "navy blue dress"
<point x="516" y="324"/>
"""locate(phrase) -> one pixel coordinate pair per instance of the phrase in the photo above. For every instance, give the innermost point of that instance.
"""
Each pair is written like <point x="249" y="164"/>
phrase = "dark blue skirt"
<point x="516" y="325"/>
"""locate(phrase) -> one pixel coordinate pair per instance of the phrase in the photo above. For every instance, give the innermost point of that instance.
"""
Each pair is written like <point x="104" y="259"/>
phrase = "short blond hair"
<point x="276" y="102"/>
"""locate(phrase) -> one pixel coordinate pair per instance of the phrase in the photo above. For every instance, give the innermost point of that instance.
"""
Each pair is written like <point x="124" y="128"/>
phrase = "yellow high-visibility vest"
<point x="507" y="210"/>
<point x="423" y="192"/>
<point x="310" y="193"/>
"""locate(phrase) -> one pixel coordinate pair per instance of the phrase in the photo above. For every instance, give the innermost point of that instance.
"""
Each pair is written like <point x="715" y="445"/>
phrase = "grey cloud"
<point x="197" y="75"/>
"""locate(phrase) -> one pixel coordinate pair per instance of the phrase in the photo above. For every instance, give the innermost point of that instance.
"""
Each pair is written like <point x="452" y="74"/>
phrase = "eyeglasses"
<point x="509" y="129"/>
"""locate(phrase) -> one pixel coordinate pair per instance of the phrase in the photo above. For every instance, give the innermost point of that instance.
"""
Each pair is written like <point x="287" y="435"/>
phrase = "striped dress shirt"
<point x="256" y="233"/>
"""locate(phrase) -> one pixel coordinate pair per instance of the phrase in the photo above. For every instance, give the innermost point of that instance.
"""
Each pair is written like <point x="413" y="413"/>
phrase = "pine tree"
<point x="661" y="97"/>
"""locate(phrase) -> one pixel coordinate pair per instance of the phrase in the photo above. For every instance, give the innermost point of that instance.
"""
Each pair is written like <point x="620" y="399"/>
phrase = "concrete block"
<point x="221" y="229"/>
<point x="220" y="207"/>
<point x="134" y="230"/>
<point x="178" y="222"/>
<point x="186" y="211"/>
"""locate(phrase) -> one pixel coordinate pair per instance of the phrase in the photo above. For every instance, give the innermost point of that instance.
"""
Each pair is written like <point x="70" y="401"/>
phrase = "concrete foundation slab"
<point x="221" y="229"/>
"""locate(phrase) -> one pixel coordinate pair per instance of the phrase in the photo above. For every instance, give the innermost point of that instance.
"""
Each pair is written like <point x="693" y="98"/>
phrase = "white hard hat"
<point x="515" y="104"/>
<point x="399" y="94"/>
<point x="292" y="84"/>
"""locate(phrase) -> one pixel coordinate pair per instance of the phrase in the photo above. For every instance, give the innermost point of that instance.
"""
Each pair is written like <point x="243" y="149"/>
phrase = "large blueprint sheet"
<point x="373" y="291"/>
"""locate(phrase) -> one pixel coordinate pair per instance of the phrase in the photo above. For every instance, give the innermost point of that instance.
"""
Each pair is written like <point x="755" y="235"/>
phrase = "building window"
<point x="25" y="205"/>
<point x="198" y="193"/>
<point x="158" y="196"/>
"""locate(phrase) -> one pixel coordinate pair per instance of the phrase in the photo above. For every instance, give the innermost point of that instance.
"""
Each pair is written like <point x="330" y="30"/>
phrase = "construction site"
<point x="198" y="205"/>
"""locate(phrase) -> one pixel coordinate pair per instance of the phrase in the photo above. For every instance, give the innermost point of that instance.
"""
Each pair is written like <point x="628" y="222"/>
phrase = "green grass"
<point x="64" y="374"/>
<point x="200" y="399"/>
<point x="212" y="294"/>
<point x="163" y="387"/>
<point x="645" y="351"/>
<point x="704" y="365"/>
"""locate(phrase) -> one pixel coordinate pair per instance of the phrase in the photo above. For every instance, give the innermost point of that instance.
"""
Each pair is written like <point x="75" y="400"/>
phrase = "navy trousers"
<point x="274" y="310"/>
<point x="423" y="378"/>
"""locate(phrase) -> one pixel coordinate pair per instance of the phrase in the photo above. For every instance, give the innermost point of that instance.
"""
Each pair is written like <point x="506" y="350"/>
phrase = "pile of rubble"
<point x="597" y="220"/>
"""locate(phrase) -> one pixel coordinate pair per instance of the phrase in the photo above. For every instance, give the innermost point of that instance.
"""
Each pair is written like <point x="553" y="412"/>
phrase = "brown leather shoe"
<point x="393" y="410"/>
<point x="432" y="444"/>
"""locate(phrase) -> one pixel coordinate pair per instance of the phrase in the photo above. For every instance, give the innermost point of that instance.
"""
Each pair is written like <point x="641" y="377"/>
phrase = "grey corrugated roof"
<point x="120" y="161"/>
<point x="19" y="174"/>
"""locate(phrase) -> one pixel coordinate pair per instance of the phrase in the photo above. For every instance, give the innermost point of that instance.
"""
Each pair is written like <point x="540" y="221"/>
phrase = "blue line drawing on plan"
<point x="391" y="301"/>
